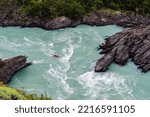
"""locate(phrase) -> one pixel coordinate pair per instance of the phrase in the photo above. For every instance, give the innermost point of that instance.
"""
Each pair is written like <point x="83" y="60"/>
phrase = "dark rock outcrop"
<point x="103" y="63"/>
<point x="10" y="66"/>
<point x="99" y="18"/>
<point x="60" y="22"/>
<point x="131" y="43"/>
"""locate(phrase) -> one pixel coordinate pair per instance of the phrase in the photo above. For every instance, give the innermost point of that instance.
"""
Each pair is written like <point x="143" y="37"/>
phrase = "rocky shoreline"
<point x="99" y="18"/>
<point x="131" y="43"/>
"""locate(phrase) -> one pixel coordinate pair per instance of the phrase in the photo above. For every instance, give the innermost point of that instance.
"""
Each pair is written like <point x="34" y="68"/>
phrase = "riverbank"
<point x="119" y="48"/>
<point x="98" y="18"/>
<point x="7" y="93"/>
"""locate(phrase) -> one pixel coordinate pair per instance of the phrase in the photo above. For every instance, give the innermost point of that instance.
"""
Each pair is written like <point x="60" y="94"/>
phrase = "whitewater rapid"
<point x="71" y="76"/>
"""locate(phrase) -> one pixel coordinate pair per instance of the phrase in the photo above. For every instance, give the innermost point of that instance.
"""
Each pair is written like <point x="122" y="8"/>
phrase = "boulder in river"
<point x="10" y="66"/>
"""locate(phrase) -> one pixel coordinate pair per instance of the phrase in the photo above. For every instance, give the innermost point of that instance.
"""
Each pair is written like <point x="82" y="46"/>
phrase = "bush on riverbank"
<point x="73" y="9"/>
<point x="7" y="93"/>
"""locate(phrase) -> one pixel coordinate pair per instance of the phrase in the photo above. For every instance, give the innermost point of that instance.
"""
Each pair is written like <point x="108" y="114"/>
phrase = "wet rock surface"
<point x="10" y="66"/>
<point x="131" y="43"/>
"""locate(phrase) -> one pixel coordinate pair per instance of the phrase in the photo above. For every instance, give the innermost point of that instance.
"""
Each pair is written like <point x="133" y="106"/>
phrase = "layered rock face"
<point x="10" y="66"/>
<point x="131" y="43"/>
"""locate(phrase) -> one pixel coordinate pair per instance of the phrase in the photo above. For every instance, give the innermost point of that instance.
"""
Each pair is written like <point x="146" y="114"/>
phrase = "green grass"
<point x="7" y="93"/>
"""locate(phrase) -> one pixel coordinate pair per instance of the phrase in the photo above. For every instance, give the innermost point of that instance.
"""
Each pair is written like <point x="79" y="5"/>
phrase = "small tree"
<point x="73" y="9"/>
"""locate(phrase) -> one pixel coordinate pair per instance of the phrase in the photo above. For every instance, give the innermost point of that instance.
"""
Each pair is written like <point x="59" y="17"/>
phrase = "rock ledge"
<point x="131" y="43"/>
<point x="10" y="66"/>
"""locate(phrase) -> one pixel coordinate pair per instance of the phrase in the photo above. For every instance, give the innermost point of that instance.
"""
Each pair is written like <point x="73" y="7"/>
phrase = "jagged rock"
<point x="131" y="43"/>
<point x="118" y="18"/>
<point x="98" y="19"/>
<point x="121" y="55"/>
<point x="132" y="20"/>
<point x="91" y="19"/>
<point x="10" y="66"/>
<point x="103" y="63"/>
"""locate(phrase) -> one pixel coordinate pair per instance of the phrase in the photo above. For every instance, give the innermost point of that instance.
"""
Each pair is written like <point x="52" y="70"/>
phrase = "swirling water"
<point x="70" y="76"/>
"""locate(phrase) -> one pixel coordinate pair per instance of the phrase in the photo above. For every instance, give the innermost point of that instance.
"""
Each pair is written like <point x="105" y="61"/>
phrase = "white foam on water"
<point x="10" y="45"/>
<point x="60" y="80"/>
<point x="98" y="85"/>
<point x="38" y="61"/>
<point x="6" y="43"/>
<point x="62" y="38"/>
<point x="58" y="74"/>
<point x="43" y="47"/>
<point x="92" y="85"/>
<point x="51" y="44"/>
<point x="48" y="51"/>
<point x="29" y="40"/>
<point x="80" y="39"/>
<point x="36" y="42"/>
<point x="64" y="61"/>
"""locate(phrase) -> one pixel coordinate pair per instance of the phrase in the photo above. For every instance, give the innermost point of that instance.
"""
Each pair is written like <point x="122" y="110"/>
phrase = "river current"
<point x="71" y="75"/>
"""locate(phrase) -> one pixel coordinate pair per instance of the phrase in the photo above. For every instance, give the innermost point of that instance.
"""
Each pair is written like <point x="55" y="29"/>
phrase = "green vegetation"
<point x="140" y="6"/>
<point x="7" y="93"/>
<point x="41" y="8"/>
<point x="74" y="9"/>
<point x="52" y="8"/>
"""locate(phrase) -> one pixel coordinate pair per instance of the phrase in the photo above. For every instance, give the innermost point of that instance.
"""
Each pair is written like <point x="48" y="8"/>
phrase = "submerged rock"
<point x="10" y="66"/>
<point x="131" y="43"/>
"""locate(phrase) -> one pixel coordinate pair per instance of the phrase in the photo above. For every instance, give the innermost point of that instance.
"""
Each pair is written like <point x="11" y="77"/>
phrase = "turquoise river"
<point x="71" y="76"/>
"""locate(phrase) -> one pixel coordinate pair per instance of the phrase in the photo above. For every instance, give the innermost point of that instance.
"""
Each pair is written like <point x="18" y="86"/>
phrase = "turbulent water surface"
<point x="70" y="76"/>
